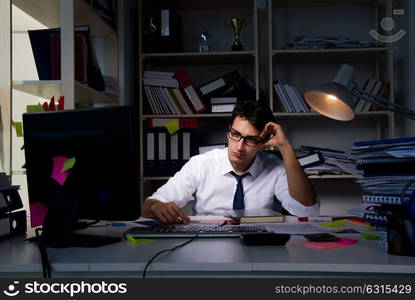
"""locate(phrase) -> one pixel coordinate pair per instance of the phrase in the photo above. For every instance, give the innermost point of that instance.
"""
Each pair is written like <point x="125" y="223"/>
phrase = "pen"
<point x="315" y="219"/>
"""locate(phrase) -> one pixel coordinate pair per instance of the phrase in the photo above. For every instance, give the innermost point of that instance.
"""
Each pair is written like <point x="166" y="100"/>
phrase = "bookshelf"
<point x="202" y="67"/>
<point x="19" y="16"/>
<point x="290" y="19"/>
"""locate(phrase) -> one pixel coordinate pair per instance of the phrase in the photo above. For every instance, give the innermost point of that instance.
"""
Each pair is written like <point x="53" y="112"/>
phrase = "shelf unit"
<point x="66" y="15"/>
<point x="198" y="16"/>
<point x="315" y="64"/>
<point x="19" y="16"/>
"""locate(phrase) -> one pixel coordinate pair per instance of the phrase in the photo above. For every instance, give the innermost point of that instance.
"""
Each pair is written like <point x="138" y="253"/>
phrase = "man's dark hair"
<point x="257" y="113"/>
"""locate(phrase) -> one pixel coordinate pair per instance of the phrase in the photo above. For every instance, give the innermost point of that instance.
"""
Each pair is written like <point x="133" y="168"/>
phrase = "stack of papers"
<point x="335" y="162"/>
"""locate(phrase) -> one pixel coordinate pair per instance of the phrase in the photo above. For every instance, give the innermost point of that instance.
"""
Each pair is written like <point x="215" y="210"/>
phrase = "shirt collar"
<point x="253" y="170"/>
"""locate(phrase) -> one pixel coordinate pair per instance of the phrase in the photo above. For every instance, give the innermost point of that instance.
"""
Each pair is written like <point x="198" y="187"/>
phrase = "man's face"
<point x="240" y="154"/>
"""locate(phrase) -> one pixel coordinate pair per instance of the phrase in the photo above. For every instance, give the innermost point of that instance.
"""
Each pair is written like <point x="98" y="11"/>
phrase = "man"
<point x="240" y="176"/>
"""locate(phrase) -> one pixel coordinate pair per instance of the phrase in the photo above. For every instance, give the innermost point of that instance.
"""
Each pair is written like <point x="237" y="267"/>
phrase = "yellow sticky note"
<point x="18" y="127"/>
<point x="68" y="164"/>
<point x="34" y="108"/>
<point x="333" y="224"/>
<point x="172" y="126"/>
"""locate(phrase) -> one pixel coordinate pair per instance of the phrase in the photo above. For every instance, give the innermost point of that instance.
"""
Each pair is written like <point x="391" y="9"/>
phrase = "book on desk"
<point x="264" y="215"/>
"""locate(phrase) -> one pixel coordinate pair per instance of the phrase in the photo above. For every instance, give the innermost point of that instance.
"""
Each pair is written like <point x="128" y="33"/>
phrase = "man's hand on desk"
<point x="169" y="213"/>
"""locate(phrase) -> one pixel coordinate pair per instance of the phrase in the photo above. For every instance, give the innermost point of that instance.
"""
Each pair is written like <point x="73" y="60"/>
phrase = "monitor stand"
<point x="60" y="225"/>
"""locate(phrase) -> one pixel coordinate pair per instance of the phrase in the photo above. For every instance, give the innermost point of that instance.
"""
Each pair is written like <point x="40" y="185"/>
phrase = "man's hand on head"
<point x="169" y="213"/>
<point x="277" y="139"/>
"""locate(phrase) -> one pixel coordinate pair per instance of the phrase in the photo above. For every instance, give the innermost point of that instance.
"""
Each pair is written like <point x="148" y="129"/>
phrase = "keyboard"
<point x="193" y="230"/>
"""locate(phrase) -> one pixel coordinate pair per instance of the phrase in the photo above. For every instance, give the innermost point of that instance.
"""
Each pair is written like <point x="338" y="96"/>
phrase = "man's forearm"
<point x="299" y="186"/>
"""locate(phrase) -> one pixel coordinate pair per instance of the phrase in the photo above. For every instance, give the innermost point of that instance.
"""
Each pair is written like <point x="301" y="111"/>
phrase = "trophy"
<point x="237" y="25"/>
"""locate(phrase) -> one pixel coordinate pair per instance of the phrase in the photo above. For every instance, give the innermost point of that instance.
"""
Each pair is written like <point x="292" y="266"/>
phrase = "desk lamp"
<point x="335" y="99"/>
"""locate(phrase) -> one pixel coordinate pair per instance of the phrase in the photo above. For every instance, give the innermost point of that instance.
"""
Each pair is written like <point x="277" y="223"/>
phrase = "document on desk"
<point x="296" y="228"/>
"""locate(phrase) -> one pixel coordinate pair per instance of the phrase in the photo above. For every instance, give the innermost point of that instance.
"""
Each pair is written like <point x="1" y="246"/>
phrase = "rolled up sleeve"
<point x="293" y="206"/>
<point x="180" y="188"/>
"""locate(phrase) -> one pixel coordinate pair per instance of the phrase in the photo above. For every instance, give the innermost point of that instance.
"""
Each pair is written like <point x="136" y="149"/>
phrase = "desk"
<point x="204" y="257"/>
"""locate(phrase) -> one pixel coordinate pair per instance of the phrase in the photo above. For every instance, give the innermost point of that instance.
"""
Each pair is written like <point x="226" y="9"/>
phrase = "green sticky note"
<point x="333" y="224"/>
<point x="133" y="241"/>
<point x="172" y="126"/>
<point x="370" y="236"/>
<point x="34" y="108"/>
<point x="68" y="164"/>
<point x="18" y="127"/>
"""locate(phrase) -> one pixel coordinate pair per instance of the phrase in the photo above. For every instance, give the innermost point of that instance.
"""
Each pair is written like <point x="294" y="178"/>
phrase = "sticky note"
<point x="370" y="236"/>
<point x="68" y="164"/>
<point x="133" y="241"/>
<point x="172" y="126"/>
<point x="18" y="127"/>
<point x="343" y="242"/>
<point x="338" y="223"/>
<point x="34" y="108"/>
<point x="37" y="214"/>
<point x="57" y="174"/>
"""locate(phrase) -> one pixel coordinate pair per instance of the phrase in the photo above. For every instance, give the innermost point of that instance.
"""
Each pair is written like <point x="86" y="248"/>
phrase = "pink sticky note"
<point x="330" y="245"/>
<point x="59" y="176"/>
<point x="37" y="214"/>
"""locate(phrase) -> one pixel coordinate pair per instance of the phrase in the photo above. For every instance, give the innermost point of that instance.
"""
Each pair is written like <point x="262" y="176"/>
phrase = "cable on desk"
<point x="43" y="254"/>
<point x="166" y="250"/>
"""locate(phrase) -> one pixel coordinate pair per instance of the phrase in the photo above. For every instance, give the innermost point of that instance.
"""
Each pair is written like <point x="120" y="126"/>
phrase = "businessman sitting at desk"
<point x="240" y="176"/>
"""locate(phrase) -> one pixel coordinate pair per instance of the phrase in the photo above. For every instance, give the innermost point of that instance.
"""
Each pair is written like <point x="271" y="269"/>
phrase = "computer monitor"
<point x="99" y="146"/>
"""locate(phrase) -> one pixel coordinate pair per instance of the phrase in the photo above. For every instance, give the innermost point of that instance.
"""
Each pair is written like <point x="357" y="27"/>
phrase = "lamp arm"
<point x="386" y="104"/>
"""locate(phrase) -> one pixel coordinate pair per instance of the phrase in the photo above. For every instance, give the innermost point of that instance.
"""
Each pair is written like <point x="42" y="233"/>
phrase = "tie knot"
<point x="238" y="177"/>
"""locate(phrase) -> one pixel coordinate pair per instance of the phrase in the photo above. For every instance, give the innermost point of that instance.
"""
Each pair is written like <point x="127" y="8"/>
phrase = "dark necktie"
<point x="238" y="199"/>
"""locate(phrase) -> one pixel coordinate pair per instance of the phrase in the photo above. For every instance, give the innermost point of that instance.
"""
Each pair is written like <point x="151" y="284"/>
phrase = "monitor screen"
<point x="81" y="164"/>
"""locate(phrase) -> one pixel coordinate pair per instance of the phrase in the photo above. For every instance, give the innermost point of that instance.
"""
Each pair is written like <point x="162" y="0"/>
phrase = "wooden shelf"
<point x="327" y="55"/>
<point x="333" y="176"/>
<point x="160" y="178"/>
<point x="48" y="88"/>
<point x="370" y="114"/>
<point x="84" y="14"/>
<point x="163" y="178"/>
<point x="211" y="4"/>
<point x="225" y="57"/>
<point x="291" y="3"/>
<point x="45" y="11"/>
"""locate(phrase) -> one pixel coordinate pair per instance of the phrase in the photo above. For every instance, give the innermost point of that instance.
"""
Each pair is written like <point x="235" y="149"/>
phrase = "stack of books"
<point x="290" y="98"/>
<point x="325" y="161"/>
<point x="171" y="93"/>
<point x="388" y="169"/>
<point x="217" y="92"/>
<point x="373" y="87"/>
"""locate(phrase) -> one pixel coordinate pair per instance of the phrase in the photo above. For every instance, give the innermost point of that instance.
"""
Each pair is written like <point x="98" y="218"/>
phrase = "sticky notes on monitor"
<point x="172" y="126"/>
<point x="68" y="164"/>
<point x="37" y="214"/>
<point x="18" y="127"/>
<point x="61" y="171"/>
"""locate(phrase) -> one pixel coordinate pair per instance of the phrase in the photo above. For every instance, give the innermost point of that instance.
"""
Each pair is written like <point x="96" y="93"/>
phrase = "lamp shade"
<point x="334" y="99"/>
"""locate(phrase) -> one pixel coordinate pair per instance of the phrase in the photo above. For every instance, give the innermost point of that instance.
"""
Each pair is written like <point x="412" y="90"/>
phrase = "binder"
<point x="380" y="199"/>
<point x="219" y="85"/>
<point x="189" y="91"/>
<point x="166" y="154"/>
<point x="385" y="142"/>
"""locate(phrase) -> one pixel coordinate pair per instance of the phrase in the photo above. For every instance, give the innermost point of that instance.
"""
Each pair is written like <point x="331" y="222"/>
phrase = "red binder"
<point x="190" y="93"/>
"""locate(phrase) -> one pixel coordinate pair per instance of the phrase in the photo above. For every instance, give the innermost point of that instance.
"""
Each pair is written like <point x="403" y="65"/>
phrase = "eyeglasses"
<point x="251" y="141"/>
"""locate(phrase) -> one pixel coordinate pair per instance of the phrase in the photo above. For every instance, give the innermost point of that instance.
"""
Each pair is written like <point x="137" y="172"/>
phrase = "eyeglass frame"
<point x="247" y="138"/>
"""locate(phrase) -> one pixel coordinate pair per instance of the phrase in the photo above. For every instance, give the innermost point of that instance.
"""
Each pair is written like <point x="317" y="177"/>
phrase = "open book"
<point x="263" y="215"/>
